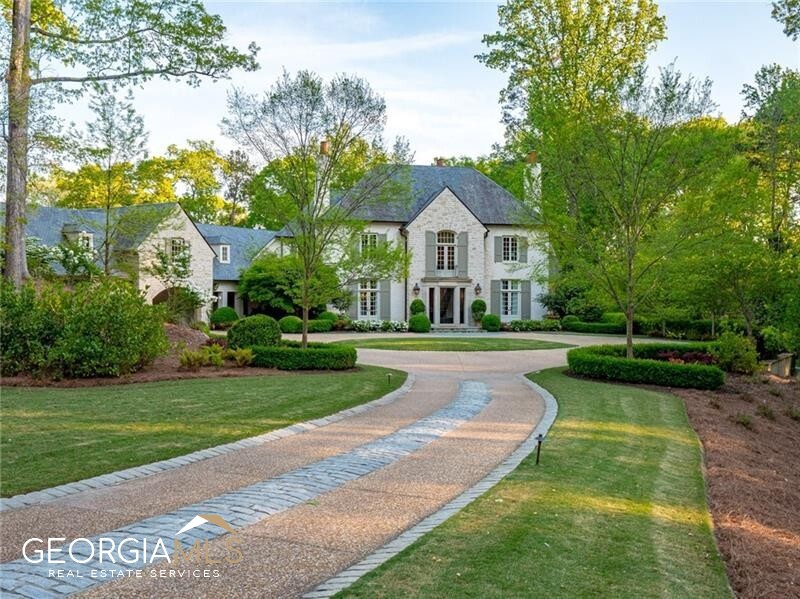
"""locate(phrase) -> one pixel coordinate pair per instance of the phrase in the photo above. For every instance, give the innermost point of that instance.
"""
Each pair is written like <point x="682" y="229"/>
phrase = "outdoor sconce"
<point x="478" y="289"/>
<point x="416" y="289"/>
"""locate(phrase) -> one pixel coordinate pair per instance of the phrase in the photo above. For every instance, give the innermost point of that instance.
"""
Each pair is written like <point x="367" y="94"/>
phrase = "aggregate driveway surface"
<point x="304" y="507"/>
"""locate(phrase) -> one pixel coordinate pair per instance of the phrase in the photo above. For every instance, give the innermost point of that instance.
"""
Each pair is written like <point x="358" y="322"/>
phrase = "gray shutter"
<point x="494" y="304"/>
<point x="430" y="254"/>
<point x="352" y="312"/>
<point x="462" y="255"/>
<point x="523" y="249"/>
<point x="384" y="299"/>
<point x="498" y="249"/>
<point x="525" y="299"/>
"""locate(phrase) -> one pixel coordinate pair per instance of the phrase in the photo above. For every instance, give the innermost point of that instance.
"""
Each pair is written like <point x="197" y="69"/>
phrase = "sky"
<point x="421" y="58"/>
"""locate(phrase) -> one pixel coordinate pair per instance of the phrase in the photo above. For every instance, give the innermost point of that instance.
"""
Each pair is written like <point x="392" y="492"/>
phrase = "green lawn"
<point x="53" y="436"/>
<point x="452" y="343"/>
<point x="616" y="509"/>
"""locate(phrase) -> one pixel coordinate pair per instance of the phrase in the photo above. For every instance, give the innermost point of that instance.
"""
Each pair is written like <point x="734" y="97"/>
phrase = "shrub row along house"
<point x="464" y="234"/>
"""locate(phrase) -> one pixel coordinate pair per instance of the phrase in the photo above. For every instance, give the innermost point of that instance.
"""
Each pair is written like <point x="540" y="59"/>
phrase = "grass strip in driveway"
<point x="54" y="436"/>
<point x="616" y="509"/>
<point x="453" y="343"/>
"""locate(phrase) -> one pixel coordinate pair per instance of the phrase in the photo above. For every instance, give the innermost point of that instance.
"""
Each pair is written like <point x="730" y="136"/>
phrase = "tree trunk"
<point x="19" y="91"/>
<point x="304" y="341"/>
<point x="629" y="331"/>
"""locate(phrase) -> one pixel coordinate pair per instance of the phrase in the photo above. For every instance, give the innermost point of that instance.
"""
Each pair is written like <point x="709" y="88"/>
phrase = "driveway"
<point x="303" y="507"/>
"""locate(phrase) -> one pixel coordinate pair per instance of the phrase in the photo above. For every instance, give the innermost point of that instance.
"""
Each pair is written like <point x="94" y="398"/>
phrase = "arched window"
<point x="445" y="252"/>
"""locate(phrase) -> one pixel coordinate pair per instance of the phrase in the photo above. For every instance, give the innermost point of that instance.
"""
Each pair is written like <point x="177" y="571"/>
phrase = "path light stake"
<point x="539" y="439"/>
<point x="388" y="379"/>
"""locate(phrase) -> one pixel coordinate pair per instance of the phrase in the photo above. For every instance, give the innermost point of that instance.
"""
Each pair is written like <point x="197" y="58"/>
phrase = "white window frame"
<point x="510" y="248"/>
<point x="510" y="299"/>
<point x="369" y="241"/>
<point x="446" y="253"/>
<point x="368" y="308"/>
<point x="177" y="245"/>
<point x="225" y="254"/>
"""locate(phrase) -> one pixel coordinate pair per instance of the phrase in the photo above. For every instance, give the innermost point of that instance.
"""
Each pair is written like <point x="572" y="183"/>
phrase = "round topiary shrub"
<point x="326" y="315"/>
<point x="223" y="317"/>
<point x="491" y="323"/>
<point x="291" y="324"/>
<point x="417" y="307"/>
<point x="570" y="319"/>
<point x="419" y="323"/>
<point x="254" y="330"/>
<point x="319" y="326"/>
<point x="478" y="308"/>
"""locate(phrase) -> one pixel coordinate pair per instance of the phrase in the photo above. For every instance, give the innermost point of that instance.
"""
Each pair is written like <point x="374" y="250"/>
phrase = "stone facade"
<point x="178" y="226"/>
<point x="442" y="292"/>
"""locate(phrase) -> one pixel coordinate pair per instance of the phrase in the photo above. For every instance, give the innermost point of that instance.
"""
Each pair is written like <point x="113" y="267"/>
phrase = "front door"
<point x="446" y="300"/>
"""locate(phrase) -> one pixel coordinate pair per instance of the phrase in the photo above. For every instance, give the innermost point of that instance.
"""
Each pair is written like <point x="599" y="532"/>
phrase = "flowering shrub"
<point x="386" y="326"/>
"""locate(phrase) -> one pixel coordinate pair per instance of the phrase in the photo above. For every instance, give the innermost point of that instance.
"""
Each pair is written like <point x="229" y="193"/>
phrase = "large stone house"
<point x="466" y="239"/>
<point x="463" y="232"/>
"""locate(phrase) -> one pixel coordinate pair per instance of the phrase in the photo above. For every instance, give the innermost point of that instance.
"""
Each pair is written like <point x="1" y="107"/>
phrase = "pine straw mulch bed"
<point x="753" y="473"/>
<point x="164" y="368"/>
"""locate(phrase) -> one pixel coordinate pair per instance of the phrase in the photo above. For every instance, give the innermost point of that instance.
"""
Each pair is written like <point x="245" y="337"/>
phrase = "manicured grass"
<point x="452" y="344"/>
<point x="616" y="509"/>
<point x="53" y="436"/>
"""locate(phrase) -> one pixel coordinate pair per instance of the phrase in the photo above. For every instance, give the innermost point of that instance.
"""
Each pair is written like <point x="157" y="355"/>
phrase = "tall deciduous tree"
<point x="75" y="43"/>
<point x="237" y="174"/>
<point x="788" y="13"/>
<point x="312" y="129"/>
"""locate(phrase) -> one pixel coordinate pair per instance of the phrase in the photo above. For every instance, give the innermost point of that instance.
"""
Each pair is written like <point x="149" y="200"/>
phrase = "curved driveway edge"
<point x="114" y="478"/>
<point x="347" y="577"/>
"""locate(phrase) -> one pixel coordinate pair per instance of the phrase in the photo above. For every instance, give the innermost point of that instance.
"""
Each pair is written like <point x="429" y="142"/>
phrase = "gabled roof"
<point x="245" y="245"/>
<point x="490" y="203"/>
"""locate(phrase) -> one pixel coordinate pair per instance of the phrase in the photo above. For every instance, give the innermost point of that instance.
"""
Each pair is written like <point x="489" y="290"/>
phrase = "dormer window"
<point x="225" y="254"/>
<point x="86" y="241"/>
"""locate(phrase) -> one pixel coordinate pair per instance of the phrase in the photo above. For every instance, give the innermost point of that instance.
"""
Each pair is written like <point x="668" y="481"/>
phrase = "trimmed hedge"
<point x="318" y="356"/>
<point x="534" y="325"/>
<point x="294" y="324"/>
<point x="254" y="330"/>
<point x="417" y="306"/>
<point x="491" y="323"/>
<point x="419" y="323"/>
<point x="577" y="326"/>
<point x="223" y="317"/>
<point x="608" y="362"/>
<point x="326" y="315"/>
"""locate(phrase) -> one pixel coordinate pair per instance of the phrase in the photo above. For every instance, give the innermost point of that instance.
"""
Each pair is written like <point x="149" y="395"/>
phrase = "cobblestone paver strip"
<point x="347" y="577"/>
<point x="114" y="478"/>
<point x="245" y="506"/>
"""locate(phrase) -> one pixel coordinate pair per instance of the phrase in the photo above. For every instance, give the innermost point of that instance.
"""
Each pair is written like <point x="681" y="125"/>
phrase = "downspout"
<point x="404" y="234"/>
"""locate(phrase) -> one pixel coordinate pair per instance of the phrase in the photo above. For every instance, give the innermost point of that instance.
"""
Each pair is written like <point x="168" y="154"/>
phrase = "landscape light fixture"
<point x="539" y="439"/>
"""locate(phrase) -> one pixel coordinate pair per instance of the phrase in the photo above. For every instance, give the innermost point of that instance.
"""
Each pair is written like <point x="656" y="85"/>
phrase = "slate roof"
<point x="490" y="203"/>
<point x="245" y="244"/>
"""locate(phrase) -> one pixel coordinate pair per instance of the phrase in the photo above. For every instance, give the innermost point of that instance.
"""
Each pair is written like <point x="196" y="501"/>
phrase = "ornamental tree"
<point x="73" y="45"/>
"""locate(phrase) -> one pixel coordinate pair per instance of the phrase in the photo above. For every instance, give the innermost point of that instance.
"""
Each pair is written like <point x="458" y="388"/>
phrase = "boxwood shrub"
<point x="326" y="315"/>
<point x="419" y="323"/>
<point x="288" y="355"/>
<point x="223" y="317"/>
<point x="608" y="362"/>
<point x="294" y="324"/>
<point x="254" y="330"/>
<point x="548" y="324"/>
<point x="491" y="323"/>
<point x="417" y="306"/>
<point x="577" y="326"/>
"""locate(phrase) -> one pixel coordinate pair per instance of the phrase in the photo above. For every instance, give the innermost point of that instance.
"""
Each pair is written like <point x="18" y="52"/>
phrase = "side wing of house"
<point x="176" y="233"/>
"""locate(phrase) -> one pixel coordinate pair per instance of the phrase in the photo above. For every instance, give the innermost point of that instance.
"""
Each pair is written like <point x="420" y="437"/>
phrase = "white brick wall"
<point x="202" y="256"/>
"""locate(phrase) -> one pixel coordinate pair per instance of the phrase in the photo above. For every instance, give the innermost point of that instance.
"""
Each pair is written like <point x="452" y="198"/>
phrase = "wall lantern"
<point x="416" y="289"/>
<point x="478" y="289"/>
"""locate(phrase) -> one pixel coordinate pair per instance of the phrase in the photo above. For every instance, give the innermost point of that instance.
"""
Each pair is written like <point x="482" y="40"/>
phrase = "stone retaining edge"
<point x="26" y="500"/>
<point x="350" y="575"/>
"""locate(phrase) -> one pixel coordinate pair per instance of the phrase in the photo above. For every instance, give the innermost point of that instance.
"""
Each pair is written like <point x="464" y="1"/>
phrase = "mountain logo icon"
<point x="201" y="519"/>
